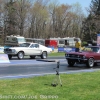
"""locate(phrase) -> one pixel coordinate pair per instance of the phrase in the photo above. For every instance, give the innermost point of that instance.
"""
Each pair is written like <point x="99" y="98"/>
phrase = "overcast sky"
<point x="84" y="3"/>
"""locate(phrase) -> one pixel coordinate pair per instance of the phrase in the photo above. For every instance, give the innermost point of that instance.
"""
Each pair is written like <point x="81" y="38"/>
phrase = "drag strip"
<point x="30" y="68"/>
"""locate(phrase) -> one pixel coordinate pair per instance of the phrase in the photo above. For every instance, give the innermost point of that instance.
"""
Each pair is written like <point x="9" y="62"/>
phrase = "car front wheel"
<point x="44" y="55"/>
<point x="20" y="55"/>
<point x="90" y="62"/>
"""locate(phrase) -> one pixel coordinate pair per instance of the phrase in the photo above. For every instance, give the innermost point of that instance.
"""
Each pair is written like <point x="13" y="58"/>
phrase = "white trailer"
<point x="13" y="40"/>
<point x="67" y="41"/>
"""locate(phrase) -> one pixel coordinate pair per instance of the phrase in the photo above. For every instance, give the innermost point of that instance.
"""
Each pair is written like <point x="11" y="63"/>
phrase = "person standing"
<point x="77" y="45"/>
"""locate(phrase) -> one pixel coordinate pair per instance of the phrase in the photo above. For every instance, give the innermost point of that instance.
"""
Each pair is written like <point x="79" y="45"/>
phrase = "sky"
<point x="84" y="3"/>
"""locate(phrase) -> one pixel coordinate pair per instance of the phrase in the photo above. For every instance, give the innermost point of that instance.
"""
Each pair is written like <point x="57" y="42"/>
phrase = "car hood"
<point x="17" y="47"/>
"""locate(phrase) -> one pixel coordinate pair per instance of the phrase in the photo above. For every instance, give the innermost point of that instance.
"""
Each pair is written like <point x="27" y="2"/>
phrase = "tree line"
<point x="48" y="18"/>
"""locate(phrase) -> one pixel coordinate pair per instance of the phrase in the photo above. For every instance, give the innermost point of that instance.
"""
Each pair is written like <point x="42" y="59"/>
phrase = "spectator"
<point x="77" y="46"/>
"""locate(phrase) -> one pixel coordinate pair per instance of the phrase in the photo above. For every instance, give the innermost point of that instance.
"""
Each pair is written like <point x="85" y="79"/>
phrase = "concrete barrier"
<point x="4" y="58"/>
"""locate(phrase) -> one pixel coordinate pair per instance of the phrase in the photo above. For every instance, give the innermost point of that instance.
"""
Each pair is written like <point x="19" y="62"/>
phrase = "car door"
<point x="34" y="49"/>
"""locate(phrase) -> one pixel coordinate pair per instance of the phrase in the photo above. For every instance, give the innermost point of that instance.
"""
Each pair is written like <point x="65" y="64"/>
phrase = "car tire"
<point x="9" y="56"/>
<point x="44" y="55"/>
<point x="90" y="62"/>
<point x="20" y="55"/>
<point x="32" y="57"/>
<point x="71" y="63"/>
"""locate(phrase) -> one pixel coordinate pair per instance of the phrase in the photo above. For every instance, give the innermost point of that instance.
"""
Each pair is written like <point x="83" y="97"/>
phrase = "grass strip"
<point x="80" y="86"/>
<point x="57" y="54"/>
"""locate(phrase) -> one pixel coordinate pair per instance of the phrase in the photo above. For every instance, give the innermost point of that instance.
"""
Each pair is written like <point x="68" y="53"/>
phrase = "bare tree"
<point x="77" y="20"/>
<point x="38" y="19"/>
<point x="22" y="7"/>
<point x="1" y="16"/>
<point x="42" y="19"/>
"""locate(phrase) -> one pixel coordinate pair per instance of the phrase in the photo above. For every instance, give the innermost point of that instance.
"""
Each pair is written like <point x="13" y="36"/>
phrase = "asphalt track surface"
<point x="30" y="68"/>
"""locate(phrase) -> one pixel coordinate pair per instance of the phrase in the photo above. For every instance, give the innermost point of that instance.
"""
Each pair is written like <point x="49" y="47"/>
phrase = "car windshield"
<point x="94" y="49"/>
<point x="24" y="45"/>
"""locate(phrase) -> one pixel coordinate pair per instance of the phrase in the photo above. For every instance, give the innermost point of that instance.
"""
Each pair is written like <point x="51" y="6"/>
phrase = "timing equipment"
<point x="57" y="78"/>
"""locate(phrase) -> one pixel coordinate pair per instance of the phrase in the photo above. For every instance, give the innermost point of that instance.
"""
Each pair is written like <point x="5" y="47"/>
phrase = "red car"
<point x="90" y="57"/>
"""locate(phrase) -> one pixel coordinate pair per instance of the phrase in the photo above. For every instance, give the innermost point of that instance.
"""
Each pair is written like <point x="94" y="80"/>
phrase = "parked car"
<point x="89" y="56"/>
<point x="28" y="49"/>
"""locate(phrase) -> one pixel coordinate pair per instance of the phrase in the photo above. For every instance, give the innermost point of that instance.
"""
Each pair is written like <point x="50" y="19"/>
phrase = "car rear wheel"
<point x="71" y="62"/>
<point x="20" y="55"/>
<point x="44" y="55"/>
<point x="90" y="62"/>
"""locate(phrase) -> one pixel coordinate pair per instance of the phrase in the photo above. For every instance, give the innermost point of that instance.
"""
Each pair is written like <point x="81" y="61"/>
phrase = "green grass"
<point x="57" y="54"/>
<point x="80" y="86"/>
